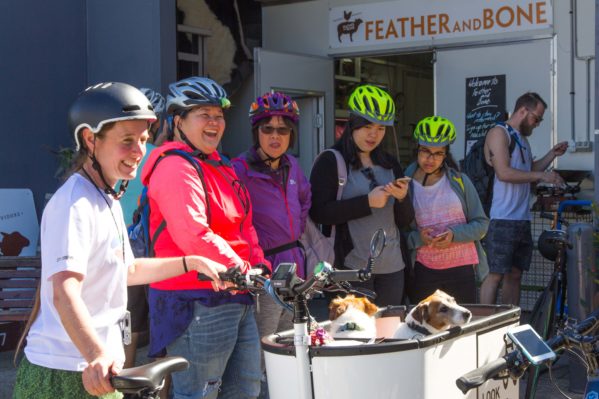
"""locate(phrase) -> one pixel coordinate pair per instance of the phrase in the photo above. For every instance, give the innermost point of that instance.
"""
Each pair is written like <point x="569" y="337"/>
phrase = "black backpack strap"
<point x="155" y="237"/>
<point x="282" y="248"/>
<point x="196" y="164"/>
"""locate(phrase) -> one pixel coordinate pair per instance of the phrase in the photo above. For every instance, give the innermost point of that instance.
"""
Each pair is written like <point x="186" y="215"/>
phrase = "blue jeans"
<point x="223" y="349"/>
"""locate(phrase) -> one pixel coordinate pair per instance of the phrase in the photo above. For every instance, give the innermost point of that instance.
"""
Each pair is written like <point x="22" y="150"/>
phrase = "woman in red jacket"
<point x="206" y="210"/>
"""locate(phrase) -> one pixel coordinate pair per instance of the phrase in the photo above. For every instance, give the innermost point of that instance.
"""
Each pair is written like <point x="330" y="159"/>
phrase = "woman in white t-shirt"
<point x="75" y="340"/>
<point x="449" y="219"/>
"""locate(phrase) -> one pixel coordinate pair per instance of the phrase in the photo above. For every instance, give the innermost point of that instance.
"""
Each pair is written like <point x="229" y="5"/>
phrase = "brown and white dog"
<point x="434" y="314"/>
<point x="352" y="317"/>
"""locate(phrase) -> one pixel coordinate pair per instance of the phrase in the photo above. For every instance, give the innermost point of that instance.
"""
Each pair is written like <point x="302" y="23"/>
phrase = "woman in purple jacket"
<point x="280" y="195"/>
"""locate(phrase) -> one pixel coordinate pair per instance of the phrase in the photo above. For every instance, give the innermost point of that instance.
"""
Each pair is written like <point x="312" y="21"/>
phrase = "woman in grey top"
<point x="373" y="197"/>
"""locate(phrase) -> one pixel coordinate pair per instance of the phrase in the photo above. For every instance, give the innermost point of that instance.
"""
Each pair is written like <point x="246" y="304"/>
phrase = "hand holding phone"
<point x="404" y="179"/>
<point x="531" y="344"/>
<point x="441" y="235"/>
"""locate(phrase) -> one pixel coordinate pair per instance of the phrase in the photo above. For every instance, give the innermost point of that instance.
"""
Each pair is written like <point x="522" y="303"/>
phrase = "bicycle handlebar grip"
<point x="203" y="277"/>
<point x="477" y="377"/>
<point x="338" y="276"/>
<point x="305" y="286"/>
<point x="588" y="324"/>
<point x="231" y="275"/>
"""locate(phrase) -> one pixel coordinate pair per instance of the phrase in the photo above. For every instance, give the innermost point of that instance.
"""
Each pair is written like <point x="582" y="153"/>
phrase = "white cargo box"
<point x="413" y="369"/>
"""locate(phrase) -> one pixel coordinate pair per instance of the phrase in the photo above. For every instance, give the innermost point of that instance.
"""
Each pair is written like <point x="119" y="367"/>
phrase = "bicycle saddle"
<point x="149" y="376"/>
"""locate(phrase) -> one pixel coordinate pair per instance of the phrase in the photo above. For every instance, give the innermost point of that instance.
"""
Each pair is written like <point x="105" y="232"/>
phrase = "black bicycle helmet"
<point x="549" y="243"/>
<point x="108" y="102"/>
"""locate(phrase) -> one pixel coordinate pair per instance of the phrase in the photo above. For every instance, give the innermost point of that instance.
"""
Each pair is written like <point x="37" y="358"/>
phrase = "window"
<point x="191" y="51"/>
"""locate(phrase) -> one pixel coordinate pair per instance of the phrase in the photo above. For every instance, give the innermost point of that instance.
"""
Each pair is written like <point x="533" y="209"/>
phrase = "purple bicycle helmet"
<point x="273" y="104"/>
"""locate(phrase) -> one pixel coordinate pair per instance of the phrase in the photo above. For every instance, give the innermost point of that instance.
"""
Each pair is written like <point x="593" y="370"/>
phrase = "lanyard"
<point x="118" y="230"/>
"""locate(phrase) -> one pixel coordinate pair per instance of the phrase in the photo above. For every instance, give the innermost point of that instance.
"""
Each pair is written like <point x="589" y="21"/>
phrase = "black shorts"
<point x="137" y="305"/>
<point x="508" y="244"/>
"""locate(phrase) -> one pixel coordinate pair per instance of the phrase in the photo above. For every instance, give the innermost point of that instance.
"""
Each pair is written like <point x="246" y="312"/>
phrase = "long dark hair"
<point x="348" y="148"/>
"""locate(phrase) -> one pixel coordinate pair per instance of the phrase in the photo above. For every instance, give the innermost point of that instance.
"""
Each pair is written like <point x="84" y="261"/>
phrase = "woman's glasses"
<point x="281" y="130"/>
<point x="437" y="156"/>
<point x="369" y="173"/>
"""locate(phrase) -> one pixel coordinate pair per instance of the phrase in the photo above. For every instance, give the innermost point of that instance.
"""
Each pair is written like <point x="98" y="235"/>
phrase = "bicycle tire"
<point x="542" y="320"/>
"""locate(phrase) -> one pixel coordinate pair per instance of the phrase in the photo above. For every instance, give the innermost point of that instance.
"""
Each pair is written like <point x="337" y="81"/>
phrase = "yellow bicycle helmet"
<point x="372" y="104"/>
<point x="435" y="131"/>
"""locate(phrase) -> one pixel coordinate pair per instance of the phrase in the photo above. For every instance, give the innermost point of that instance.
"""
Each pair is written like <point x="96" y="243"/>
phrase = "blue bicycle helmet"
<point x="192" y="92"/>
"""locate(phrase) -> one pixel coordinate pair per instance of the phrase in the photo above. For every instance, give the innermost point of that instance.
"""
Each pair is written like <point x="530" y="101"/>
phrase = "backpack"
<point x="317" y="247"/>
<point x="480" y="172"/>
<point x="142" y="244"/>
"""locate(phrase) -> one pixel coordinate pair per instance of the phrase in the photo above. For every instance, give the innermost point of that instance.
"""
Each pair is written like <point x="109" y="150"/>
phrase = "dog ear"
<point x="370" y="308"/>
<point x="336" y="308"/>
<point x="420" y="314"/>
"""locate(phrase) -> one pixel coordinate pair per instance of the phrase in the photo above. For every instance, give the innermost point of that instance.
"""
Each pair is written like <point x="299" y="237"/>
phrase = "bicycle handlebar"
<point x="324" y="273"/>
<point x="337" y="276"/>
<point x="479" y="376"/>
<point x="515" y="361"/>
<point x="242" y="281"/>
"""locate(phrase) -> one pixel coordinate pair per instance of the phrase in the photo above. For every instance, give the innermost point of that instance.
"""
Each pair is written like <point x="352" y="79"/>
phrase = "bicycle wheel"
<point x="543" y="312"/>
<point x="542" y="320"/>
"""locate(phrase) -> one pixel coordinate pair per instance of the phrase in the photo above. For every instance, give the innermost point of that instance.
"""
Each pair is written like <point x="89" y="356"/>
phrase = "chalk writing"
<point x="485" y="105"/>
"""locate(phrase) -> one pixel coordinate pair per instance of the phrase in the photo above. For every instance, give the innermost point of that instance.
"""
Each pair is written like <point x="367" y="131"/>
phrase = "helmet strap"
<point x="108" y="189"/>
<point x="434" y="172"/>
<point x="196" y="151"/>
<point x="269" y="160"/>
<point x="426" y="175"/>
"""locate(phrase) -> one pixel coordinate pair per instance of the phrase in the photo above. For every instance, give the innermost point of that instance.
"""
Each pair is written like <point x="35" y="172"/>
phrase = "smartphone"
<point x="442" y="234"/>
<point x="531" y="344"/>
<point x="404" y="179"/>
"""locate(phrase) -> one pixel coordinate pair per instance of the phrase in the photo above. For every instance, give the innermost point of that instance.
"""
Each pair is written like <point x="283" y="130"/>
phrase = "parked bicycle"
<point x="549" y="311"/>
<point x="145" y="382"/>
<point x="580" y="337"/>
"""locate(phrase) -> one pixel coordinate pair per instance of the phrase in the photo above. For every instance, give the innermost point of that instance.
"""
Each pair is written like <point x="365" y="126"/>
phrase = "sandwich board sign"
<point x="19" y="228"/>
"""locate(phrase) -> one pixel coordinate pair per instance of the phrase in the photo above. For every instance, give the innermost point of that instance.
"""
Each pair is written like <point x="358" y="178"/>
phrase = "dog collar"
<point x="419" y="329"/>
<point x="351" y="326"/>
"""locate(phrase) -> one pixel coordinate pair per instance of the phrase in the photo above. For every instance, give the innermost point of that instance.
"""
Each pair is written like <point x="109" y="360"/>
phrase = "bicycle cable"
<point x="554" y="382"/>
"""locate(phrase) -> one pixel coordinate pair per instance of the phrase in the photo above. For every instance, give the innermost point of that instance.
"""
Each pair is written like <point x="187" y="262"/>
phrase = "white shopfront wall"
<point x="530" y="42"/>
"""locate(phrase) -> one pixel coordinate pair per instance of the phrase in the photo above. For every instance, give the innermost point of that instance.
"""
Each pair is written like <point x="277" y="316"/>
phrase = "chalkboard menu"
<point x="485" y="106"/>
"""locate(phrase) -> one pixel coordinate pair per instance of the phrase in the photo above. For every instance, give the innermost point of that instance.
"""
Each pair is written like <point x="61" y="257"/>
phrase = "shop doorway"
<point x="409" y="80"/>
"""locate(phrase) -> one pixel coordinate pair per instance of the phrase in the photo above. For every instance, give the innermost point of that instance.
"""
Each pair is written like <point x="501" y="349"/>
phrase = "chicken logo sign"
<point x="348" y="26"/>
<point x="12" y="244"/>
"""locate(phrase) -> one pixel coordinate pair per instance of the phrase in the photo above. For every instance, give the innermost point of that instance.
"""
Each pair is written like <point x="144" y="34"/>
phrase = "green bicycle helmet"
<point x="372" y="104"/>
<point x="435" y="131"/>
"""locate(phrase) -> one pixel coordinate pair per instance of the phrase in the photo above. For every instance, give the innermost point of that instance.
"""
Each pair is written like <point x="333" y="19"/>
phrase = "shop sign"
<point x="402" y="22"/>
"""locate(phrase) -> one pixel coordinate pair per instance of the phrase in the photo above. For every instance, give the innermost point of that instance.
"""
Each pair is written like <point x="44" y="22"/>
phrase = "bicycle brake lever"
<point x="364" y="292"/>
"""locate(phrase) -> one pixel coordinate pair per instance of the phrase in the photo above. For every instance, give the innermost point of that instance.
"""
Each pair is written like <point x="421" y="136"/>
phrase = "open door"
<point x="309" y="80"/>
<point x="453" y="67"/>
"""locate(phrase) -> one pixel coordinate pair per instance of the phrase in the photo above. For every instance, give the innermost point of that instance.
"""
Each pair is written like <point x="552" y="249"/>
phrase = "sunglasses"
<point x="281" y="130"/>
<point x="538" y="119"/>
<point x="369" y="174"/>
